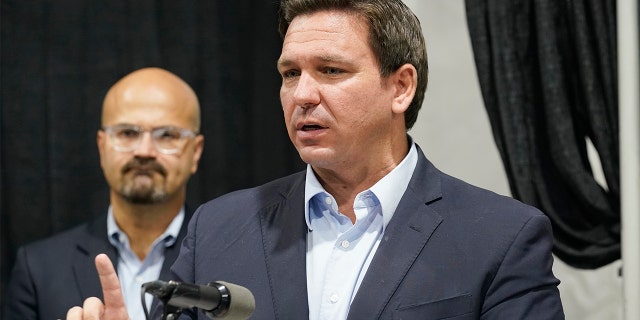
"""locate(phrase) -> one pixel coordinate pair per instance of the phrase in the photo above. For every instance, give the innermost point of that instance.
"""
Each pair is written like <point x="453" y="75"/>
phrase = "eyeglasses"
<point x="167" y="139"/>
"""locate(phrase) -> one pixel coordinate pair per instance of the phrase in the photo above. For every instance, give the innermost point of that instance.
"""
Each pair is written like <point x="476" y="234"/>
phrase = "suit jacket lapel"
<point x="404" y="238"/>
<point x="95" y="241"/>
<point x="284" y="232"/>
<point x="171" y="253"/>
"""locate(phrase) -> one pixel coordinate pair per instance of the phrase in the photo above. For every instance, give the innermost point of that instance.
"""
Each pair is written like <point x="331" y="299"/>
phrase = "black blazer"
<point x="54" y="274"/>
<point x="451" y="251"/>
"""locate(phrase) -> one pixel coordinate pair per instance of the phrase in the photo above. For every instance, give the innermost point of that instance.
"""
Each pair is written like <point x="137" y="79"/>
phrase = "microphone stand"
<point x="163" y="291"/>
<point x="170" y="312"/>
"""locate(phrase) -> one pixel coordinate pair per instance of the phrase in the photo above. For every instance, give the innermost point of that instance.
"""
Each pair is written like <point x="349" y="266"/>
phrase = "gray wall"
<point x="454" y="132"/>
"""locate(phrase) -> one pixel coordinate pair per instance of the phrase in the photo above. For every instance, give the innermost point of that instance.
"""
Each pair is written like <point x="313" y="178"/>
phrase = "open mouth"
<point x="311" y="127"/>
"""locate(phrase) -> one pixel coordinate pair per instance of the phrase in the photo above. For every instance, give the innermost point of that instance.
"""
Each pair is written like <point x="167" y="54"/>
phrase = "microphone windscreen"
<point x="242" y="302"/>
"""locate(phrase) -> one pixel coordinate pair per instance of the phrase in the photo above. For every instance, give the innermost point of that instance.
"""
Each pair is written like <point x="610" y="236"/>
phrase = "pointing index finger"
<point x="115" y="308"/>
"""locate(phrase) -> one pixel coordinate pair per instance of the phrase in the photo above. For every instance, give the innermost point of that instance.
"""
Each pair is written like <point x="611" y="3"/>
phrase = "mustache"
<point x="144" y="165"/>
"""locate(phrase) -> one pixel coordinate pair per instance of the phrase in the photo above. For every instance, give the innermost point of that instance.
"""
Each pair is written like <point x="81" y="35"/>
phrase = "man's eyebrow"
<point x="284" y="62"/>
<point x="322" y="58"/>
<point x="332" y="58"/>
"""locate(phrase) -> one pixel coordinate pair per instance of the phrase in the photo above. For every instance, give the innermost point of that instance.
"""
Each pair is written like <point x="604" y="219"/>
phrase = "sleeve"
<point x="524" y="286"/>
<point x="21" y="300"/>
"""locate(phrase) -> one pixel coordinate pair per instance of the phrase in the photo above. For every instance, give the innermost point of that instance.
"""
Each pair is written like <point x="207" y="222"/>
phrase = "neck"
<point x="144" y="223"/>
<point x="345" y="184"/>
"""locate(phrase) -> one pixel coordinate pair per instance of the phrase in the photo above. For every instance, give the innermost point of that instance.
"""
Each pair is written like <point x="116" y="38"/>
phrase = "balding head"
<point x="143" y="171"/>
<point x="150" y="88"/>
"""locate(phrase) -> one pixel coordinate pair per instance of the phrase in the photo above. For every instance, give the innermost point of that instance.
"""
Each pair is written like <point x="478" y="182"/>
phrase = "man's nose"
<point x="145" y="148"/>
<point x="307" y="93"/>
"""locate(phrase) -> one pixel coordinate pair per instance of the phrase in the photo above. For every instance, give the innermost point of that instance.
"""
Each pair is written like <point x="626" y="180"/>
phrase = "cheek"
<point x="285" y="100"/>
<point x="112" y="170"/>
<point x="287" y="111"/>
<point x="111" y="163"/>
<point x="352" y="109"/>
<point x="178" y="170"/>
<point x="284" y="96"/>
<point x="364" y="113"/>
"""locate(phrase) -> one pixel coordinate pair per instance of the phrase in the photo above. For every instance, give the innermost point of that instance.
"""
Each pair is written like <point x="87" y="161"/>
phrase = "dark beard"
<point x="147" y="194"/>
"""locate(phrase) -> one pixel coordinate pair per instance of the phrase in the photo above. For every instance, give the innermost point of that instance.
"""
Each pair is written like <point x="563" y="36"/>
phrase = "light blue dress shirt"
<point x="338" y="251"/>
<point x="131" y="271"/>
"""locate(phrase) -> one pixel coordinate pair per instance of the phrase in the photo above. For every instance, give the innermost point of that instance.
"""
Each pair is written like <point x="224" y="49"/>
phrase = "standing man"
<point x="149" y="147"/>
<point x="371" y="230"/>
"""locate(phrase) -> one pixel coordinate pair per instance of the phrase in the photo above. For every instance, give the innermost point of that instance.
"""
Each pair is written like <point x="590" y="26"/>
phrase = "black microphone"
<point x="217" y="299"/>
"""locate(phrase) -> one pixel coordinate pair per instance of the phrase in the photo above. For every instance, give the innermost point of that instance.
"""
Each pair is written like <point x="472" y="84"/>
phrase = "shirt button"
<point x="345" y="244"/>
<point x="139" y="280"/>
<point x="334" y="298"/>
<point x="327" y="200"/>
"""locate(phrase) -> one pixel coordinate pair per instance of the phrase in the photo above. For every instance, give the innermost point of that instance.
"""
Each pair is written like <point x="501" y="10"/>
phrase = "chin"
<point x="319" y="158"/>
<point x="145" y="196"/>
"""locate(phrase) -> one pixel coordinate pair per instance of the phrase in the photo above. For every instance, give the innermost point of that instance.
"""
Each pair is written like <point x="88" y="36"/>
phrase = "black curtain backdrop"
<point x="59" y="57"/>
<point x="548" y="75"/>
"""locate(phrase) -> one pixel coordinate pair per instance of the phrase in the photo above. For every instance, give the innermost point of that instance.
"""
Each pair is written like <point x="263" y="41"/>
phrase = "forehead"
<point x="328" y="34"/>
<point x="148" y="106"/>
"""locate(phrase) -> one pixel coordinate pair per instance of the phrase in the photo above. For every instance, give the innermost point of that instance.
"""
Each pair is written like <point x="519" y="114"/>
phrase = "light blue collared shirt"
<point x="131" y="271"/>
<point x="338" y="251"/>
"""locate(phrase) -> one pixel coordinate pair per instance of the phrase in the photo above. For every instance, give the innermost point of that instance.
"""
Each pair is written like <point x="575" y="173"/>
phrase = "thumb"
<point x="114" y="307"/>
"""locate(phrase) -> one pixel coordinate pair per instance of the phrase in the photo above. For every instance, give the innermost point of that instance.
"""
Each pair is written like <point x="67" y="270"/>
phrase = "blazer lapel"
<point x="284" y="232"/>
<point x="171" y="253"/>
<point x="91" y="244"/>
<point x="404" y="238"/>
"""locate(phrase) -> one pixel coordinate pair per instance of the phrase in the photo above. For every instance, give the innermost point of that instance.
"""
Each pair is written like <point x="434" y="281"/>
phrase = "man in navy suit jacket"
<point x="371" y="230"/>
<point x="146" y="220"/>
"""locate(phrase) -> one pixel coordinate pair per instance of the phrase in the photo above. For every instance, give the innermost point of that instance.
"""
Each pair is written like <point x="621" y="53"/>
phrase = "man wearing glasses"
<point x="149" y="147"/>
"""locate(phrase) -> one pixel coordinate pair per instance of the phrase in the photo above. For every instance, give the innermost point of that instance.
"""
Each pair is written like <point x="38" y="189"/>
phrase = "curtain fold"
<point x="59" y="58"/>
<point x="548" y="75"/>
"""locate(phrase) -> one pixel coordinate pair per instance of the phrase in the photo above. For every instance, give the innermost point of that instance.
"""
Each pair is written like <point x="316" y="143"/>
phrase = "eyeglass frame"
<point x="184" y="133"/>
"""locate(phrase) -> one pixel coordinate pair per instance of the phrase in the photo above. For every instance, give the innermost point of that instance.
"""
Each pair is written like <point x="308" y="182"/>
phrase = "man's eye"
<point x="333" y="71"/>
<point x="290" y="74"/>
<point x="168" y="134"/>
<point x="128" y="133"/>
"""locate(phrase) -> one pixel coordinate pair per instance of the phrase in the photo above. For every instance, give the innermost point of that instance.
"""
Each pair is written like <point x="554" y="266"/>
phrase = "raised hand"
<point x="113" y="307"/>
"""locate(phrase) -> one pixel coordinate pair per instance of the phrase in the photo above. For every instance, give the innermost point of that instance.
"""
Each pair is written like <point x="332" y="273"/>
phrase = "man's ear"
<point x="100" y="141"/>
<point x="405" y="81"/>
<point x="197" y="153"/>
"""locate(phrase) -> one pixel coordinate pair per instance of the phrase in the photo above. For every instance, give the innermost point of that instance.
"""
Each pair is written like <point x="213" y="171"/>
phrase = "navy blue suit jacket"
<point x="54" y="274"/>
<point x="451" y="251"/>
